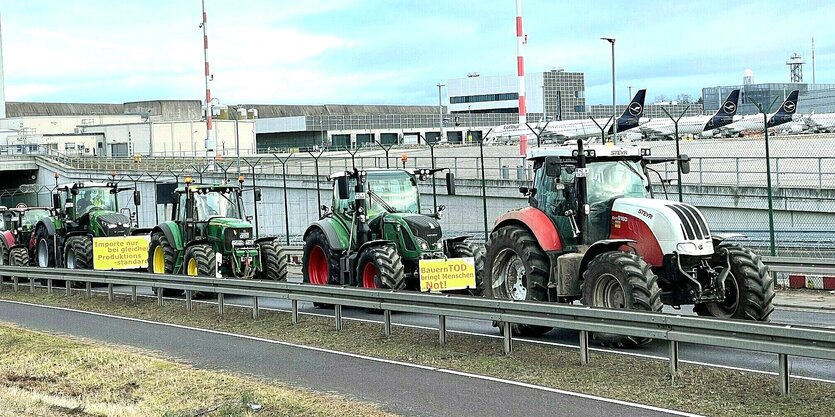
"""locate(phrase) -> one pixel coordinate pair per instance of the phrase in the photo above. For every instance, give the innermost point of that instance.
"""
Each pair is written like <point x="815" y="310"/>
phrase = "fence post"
<point x="783" y="360"/>
<point x="673" y="360"/>
<point x="337" y="312"/>
<point x="110" y="296"/>
<point x="442" y="330"/>
<point x="88" y="288"/>
<point x="49" y="285"/>
<point x="15" y="282"/>
<point x="387" y="323"/>
<point x="67" y="287"/>
<point x="294" y="314"/>
<point x="220" y="304"/>
<point x="507" y="329"/>
<point x="584" y="347"/>
<point x="133" y="293"/>
<point x="255" y="308"/>
<point x="189" y="302"/>
<point x="31" y="285"/>
<point x="159" y="297"/>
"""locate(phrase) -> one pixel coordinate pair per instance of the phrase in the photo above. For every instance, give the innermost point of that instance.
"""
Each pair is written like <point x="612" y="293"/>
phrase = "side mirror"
<point x="137" y="198"/>
<point x="553" y="168"/>
<point x="56" y="201"/>
<point x="439" y="211"/>
<point x="257" y="195"/>
<point x="684" y="164"/>
<point x="450" y="183"/>
<point x="342" y="187"/>
<point x="249" y="219"/>
<point x="523" y="190"/>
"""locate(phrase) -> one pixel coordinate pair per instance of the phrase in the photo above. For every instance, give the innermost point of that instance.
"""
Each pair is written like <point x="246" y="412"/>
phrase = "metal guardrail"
<point x="800" y="265"/>
<point x="780" y="339"/>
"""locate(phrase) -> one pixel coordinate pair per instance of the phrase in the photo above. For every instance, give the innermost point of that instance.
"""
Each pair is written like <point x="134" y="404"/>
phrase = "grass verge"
<point x="698" y="389"/>
<point x="43" y="374"/>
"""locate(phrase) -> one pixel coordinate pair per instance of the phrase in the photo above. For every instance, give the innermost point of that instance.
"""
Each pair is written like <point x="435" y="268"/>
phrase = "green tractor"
<point x="374" y="236"/>
<point x="84" y="210"/>
<point x="209" y="236"/>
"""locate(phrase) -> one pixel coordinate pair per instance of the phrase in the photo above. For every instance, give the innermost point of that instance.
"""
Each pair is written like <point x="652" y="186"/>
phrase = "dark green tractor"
<point x="374" y="235"/>
<point x="83" y="211"/>
<point x="208" y="235"/>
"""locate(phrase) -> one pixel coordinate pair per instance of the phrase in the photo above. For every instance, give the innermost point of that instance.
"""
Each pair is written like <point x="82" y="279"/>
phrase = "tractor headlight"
<point x="686" y="248"/>
<point x="422" y="244"/>
<point x="250" y="242"/>
<point x="237" y="242"/>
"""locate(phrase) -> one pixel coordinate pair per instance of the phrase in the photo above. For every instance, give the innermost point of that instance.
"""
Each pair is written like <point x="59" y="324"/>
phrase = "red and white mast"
<point x="210" y="140"/>
<point x="520" y="72"/>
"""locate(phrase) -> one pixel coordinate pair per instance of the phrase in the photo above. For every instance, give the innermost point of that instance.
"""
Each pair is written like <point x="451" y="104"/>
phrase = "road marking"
<point x="520" y="339"/>
<point x="370" y="358"/>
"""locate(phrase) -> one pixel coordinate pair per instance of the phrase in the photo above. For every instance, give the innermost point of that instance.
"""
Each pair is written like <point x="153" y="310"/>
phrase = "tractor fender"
<point x="175" y="239"/>
<point x="721" y="237"/>
<point x="197" y="242"/>
<point x="456" y="239"/>
<point x="139" y="231"/>
<point x="266" y="239"/>
<point x="46" y="223"/>
<point x="77" y="233"/>
<point x="606" y="245"/>
<point x="336" y="234"/>
<point x="372" y="243"/>
<point x="537" y="222"/>
<point x="8" y="239"/>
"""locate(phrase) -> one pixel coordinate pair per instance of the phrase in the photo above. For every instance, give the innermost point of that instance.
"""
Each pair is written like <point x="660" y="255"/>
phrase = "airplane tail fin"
<point x="730" y="105"/>
<point x="789" y="106"/>
<point x="633" y="113"/>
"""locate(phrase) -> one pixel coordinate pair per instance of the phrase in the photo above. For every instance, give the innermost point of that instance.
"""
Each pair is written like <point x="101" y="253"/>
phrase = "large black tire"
<point x="161" y="259"/>
<point x="19" y="257"/>
<point x="515" y="250"/>
<point x="78" y="252"/>
<point x="468" y="249"/>
<point x="621" y="280"/>
<point x="381" y="267"/>
<point x="320" y="265"/>
<point x="4" y="259"/>
<point x="273" y="261"/>
<point x="749" y="288"/>
<point x="44" y="248"/>
<point x="199" y="261"/>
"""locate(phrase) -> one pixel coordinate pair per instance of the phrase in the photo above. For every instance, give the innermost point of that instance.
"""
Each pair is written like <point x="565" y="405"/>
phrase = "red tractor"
<point x="594" y="233"/>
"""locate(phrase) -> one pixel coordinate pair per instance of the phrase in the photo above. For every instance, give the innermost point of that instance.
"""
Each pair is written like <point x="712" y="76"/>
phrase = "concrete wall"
<point x="167" y="110"/>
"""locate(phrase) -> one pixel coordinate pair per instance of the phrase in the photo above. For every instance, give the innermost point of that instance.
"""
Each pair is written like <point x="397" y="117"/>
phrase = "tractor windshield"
<point x="216" y="204"/>
<point x="610" y="179"/>
<point x="92" y="198"/>
<point x="31" y="217"/>
<point x="397" y="188"/>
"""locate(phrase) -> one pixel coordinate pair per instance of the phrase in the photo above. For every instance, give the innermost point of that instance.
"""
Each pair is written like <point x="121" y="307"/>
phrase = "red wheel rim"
<point x="368" y="275"/>
<point x="317" y="267"/>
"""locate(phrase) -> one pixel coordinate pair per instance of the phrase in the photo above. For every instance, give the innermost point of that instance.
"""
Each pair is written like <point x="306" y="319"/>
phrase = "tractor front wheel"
<point x="78" y="252"/>
<point x="749" y="288"/>
<point x="381" y="267"/>
<point x="516" y="269"/>
<point x="621" y="280"/>
<point x="468" y="249"/>
<point x="44" y="248"/>
<point x="161" y="259"/>
<point x="273" y="261"/>
<point x="199" y="261"/>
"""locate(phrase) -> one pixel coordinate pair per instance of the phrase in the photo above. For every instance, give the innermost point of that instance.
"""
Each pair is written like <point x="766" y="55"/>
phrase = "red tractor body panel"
<point x="538" y="222"/>
<point x="8" y="238"/>
<point x="627" y="226"/>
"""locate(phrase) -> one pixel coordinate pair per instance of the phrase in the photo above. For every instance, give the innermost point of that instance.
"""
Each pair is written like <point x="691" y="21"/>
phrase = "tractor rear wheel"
<point x="468" y="249"/>
<point x="749" y="288"/>
<point x="199" y="261"/>
<point x="44" y="248"/>
<point x="381" y="267"/>
<point x="621" y="280"/>
<point x="4" y="259"/>
<point x="273" y="261"/>
<point x="161" y="259"/>
<point x="517" y="269"/>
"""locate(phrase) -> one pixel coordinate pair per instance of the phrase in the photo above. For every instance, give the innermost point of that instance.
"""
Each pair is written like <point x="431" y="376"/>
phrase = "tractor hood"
<point x="661" y="226"/>
<point x="423" y="227"/>
<point x="233" y="232"/>
<point x="111" y="223"/>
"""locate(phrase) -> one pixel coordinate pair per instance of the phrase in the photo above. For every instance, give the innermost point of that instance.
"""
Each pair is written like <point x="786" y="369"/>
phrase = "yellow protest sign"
<point x="447" y="274"/>
<point x="121" y="252"/>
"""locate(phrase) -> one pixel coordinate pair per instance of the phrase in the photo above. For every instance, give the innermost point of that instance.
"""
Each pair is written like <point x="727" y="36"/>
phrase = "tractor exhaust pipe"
<point x="582" y="199"/>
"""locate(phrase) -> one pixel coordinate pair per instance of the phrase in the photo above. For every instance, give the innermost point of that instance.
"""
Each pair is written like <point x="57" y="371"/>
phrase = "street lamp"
<point x="440" y="114"/>
<point x="237" y="138"/>
<point x="614" y="112"/>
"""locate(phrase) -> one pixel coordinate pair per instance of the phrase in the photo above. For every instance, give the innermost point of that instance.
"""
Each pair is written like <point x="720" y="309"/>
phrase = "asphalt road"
<point x="400" y="388"/>
<point x="745" y="360"/>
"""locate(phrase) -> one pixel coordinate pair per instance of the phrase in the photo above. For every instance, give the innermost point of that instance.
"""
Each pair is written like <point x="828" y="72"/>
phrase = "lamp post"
<point x="237" y="138"/>
<point x="614" y="112"/>
<point x="440" y="114"/>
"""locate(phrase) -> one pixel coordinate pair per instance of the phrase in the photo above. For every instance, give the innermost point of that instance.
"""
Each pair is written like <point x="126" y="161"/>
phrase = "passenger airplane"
<point x="822" y="122"/>
<point x="755" y="121"/>
<point x="663" y="127"/>
<point x="572" y="129"/>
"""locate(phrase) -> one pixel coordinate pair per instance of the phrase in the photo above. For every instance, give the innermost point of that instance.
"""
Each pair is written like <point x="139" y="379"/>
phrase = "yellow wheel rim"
<point x="191" y="268"/>
<point x="159" y="260"/>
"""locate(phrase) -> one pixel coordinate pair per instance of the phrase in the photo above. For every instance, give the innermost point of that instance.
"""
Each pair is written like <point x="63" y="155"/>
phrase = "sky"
<point x="395" y="51"/>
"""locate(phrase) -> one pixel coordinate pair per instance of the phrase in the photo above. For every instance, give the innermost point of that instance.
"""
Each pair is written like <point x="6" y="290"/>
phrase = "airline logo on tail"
<point x="633" y="112"/>
<point x="725" y="115"/>
<point x="786" y="111"/>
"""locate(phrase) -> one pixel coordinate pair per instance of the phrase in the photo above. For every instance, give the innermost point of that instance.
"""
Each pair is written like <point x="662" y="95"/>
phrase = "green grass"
<point x="697" y="389"/>
<point x="43" y="374"/>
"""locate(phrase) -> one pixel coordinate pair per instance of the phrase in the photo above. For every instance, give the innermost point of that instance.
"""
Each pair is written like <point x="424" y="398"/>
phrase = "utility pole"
<point x="210" y="142"/>
<point x="614" y="110"/>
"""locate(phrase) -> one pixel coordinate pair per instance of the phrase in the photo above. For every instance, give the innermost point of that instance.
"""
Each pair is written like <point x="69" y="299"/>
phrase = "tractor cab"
<point x="21" y="220"/>
<point x="94" y="207"/>
<point x="213" y="212"/>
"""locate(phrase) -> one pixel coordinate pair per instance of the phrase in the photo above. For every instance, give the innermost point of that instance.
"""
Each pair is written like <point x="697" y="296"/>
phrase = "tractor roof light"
<point x="404" y="158"/>
<point x="188" y="180"/>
